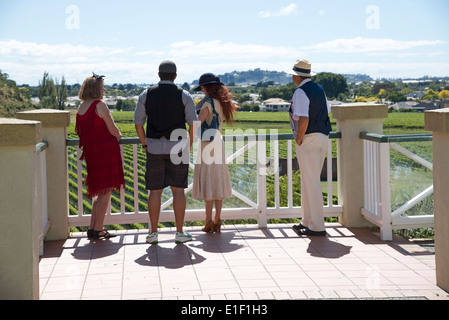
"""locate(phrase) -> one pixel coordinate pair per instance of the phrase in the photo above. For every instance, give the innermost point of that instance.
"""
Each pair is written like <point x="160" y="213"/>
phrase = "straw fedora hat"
<point x="302" y="68"/>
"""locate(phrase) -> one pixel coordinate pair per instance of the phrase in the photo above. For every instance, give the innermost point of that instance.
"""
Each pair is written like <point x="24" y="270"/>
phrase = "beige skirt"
<point x="211" y="179"/>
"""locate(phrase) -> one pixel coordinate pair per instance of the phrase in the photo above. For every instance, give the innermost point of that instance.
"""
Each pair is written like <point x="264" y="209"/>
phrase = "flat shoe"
<point x="308" y="232"/>
<point x="299" y="227"/>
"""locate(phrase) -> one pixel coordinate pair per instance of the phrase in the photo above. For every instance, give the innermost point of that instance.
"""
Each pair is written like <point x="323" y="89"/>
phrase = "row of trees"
<point x="396" y="91"/>
<point x="337" y="87"/>
<point x="125" y="105"/>
<point x="51" y="93"/>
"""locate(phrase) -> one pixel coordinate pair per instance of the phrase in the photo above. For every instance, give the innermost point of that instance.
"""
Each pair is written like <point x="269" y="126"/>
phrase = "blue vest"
<point x="318" y="114"/>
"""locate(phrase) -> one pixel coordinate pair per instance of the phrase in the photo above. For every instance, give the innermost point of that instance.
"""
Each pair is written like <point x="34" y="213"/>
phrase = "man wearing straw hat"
<point x="311" y="126"/>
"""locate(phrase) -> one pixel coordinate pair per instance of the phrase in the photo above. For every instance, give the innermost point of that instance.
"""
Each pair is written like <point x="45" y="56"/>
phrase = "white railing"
<point x="41" y="189"/>
<point x="248" y="150"/>
<point x="377" y="203"/>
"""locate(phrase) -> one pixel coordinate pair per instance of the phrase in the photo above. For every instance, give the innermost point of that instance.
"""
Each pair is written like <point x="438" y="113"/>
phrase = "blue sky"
<point x="126" y="40"/>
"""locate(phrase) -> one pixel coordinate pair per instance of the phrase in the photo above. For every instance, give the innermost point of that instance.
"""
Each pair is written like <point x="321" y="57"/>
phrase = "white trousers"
<point x="311" y="155"/>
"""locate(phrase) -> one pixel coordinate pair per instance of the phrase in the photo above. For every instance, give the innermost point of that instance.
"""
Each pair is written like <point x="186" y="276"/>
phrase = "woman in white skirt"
<point x="211" y="181"/>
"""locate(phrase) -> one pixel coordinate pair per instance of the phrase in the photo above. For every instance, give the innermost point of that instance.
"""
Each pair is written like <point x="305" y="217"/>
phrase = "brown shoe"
<point x="217" y="226"/>
<point x="209" y="227"/>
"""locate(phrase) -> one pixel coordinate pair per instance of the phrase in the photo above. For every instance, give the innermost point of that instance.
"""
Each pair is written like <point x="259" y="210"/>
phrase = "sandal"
<point x="90" y="233"/>
<point x="105" y="235"/>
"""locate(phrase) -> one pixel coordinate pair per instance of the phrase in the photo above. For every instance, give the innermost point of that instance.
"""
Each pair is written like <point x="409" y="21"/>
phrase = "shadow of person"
<point x="323" y="247"/>
<point x="174" y="257"/>
<point x="96" y="249"/>
<point x="220" y="242"/>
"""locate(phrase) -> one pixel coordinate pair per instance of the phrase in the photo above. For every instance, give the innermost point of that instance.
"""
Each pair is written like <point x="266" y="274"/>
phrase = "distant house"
<point x="334" y="102"/>
<point x="275" y="105"/>
<point x="403" y="105"/>
<point x="110" y="102"/>
<point x="432" y="105"/>
<point x="73" y="102"/>
<point x="415" y="95"/>
<point x="423" y="106"/>
<point x="35" y="101"/>
<point x="442" y="103"/>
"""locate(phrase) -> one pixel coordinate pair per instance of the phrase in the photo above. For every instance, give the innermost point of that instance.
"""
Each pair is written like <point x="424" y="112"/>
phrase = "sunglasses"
<point x="96" y="76"/>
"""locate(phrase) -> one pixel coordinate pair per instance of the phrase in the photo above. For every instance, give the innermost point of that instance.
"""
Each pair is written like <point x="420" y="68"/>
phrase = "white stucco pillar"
<point x="54" y="131"/>
<point x="437" y="121"/>
<point x="19" y="214"/>
<point x="352" y="119"/>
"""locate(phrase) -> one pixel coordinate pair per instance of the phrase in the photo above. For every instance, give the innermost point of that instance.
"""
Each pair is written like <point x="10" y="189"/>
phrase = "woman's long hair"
<point x="220" y="92"/>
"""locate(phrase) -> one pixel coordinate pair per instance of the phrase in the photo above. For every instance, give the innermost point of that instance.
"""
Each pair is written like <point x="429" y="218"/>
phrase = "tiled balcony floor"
<point x="241" y="262"/>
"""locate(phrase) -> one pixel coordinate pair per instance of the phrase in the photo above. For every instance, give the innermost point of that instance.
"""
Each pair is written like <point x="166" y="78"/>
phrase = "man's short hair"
<point x="167" y="76"/>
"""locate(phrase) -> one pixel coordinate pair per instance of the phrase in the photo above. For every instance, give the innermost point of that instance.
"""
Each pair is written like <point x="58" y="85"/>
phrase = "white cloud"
<point x="26" y="62"/>
<point x="218" y="50"/>
<point x="369" y="45"/>
<point x="127" y="72"/>
<point x="149" y="53"/>
<point x="56" y="52"/>
<point x="284" y="11"/>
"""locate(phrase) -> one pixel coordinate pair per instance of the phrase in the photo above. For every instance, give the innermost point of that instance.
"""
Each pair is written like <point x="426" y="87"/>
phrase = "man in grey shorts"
<point x="165" y="109"/>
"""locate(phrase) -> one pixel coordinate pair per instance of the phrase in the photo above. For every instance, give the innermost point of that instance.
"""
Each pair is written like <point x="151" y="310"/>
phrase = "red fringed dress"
<point x="101" y="151"/>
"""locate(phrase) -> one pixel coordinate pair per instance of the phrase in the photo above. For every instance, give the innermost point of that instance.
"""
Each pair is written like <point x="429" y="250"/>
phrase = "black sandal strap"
<point x="106" y="234"/>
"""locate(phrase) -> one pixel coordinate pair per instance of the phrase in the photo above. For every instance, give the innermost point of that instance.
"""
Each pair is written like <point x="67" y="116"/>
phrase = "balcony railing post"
<point x="438" y="122"/>
<point x="262" y="181"/>
<point x="54" y="131"/>
<point x="386" y="229"/>
<point x="19" y="209"/>
<point x="351" y="120"/>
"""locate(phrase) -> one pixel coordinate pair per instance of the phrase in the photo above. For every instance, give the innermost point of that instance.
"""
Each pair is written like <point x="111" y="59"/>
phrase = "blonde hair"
<point x="92" y="88"/>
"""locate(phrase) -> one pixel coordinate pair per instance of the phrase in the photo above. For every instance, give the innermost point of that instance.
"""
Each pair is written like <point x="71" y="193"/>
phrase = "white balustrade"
<point x="377" y="195"/>
<point x="255" y="149"/>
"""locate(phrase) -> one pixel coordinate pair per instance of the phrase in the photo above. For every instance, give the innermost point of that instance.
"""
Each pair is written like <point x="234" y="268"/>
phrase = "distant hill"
<point x="12" y="98"/>
<point x="252" y="77"/>
<point x="355" y="78"/>
<point x="255" y="76"/>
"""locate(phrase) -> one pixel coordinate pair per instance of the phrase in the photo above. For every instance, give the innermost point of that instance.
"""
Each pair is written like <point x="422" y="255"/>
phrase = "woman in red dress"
<point x="99" y="140"/>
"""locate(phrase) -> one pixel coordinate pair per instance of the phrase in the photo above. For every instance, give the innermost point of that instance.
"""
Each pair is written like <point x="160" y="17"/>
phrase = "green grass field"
<point x="396" y="123"/>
